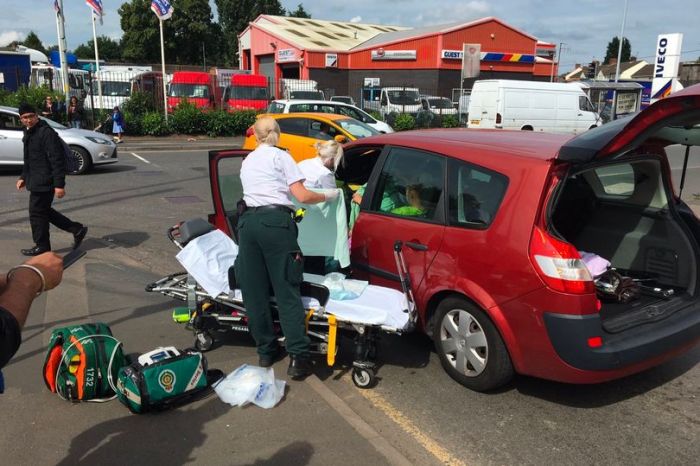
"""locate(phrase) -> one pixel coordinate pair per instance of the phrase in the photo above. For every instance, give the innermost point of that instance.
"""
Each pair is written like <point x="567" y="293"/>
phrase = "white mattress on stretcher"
<point x="208" y="258"/>
<point x="377" y="305"/>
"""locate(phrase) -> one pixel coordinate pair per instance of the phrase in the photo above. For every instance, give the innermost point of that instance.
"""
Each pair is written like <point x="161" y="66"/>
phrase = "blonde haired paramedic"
<point x="269" y="256"/>
<point x="320" y="170"/>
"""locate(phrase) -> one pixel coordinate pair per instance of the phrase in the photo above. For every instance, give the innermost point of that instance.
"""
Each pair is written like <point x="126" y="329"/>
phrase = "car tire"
<point x="81" y="163"/>
<point x="470" y="347"/>
<point x="526" y="128"/>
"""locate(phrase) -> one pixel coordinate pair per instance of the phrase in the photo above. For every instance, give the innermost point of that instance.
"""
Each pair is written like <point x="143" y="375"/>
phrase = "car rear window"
<point x="296" y="126"/>
<point x="475" y="193"/>
<point x="275" y="107"/>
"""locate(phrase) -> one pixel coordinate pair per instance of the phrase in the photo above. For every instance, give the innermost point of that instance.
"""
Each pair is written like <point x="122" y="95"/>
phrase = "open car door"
<point x="226" y="189"/>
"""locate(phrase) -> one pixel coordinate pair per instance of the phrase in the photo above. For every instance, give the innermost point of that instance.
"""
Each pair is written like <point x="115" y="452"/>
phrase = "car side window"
<point x="322" y="130"/>
<point x="301" y="108"/>
<point x="10" y="122"/>
<point x="295" y="126"/>
<point x="475" y="193"/>
<point x="410" y="184"/>
<point x="617" y="180"/>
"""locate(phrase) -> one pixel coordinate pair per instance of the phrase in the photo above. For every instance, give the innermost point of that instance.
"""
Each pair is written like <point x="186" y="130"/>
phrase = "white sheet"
<point x="207" y="258"/>
<point x="376" y="306"/>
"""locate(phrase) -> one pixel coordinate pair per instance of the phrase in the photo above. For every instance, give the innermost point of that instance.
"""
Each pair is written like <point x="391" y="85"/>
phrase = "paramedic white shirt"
<point x="266" y="175"/>
<point x="316" y="174"/>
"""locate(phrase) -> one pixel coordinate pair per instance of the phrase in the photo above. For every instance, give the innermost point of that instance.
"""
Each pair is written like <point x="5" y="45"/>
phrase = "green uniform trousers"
<point x="268" y="259"/>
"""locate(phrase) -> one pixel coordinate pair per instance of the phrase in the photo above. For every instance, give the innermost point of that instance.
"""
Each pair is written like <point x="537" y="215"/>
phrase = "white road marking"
<point x="140" y="158"/>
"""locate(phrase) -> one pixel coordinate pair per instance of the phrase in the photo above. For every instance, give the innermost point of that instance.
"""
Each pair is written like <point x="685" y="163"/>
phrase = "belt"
<point x="263" y="208"/>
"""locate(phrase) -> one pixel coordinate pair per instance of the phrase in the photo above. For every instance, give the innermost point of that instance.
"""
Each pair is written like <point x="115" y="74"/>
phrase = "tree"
<point x="33" y="42"/>
<point x="194" y="29"/>
<point x="613" y="46"/>
<point x="300" y="12"/>
<point x="234" y="16"/>
<point x="141" y="38"/>
<point x="108" y="48"/>
<point x="190" y="26"/>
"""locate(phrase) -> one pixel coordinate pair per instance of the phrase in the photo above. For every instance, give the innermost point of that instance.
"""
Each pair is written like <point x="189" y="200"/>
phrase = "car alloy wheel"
<point x="80" y="161"/>
<point x="464" y="342"/>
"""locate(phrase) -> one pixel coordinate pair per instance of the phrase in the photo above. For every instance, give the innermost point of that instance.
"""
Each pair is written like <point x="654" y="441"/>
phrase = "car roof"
<point x="317" y="116"/>
<point x="8" y="109"/>
<point x="310" y="101"/>
<point x="520" y="144"/>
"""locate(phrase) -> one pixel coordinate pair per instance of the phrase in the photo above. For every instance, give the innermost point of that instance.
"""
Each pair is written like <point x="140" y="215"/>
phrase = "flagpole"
<point x="162" y="58"/>
<point x="62" y="51"/>
<point x="97" y="59"/>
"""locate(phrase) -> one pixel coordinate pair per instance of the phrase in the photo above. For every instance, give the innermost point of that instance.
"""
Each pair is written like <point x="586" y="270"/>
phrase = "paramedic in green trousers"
<point x="269" y="257"/>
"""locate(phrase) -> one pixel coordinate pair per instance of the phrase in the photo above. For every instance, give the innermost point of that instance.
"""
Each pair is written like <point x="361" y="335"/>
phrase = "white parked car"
<point x="89" y="147"/>
<point x="438" y="105"/>
<point x="326" y="106"/>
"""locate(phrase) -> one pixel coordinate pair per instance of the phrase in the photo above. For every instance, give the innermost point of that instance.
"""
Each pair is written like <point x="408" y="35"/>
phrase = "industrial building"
<point x="345" y="57"/>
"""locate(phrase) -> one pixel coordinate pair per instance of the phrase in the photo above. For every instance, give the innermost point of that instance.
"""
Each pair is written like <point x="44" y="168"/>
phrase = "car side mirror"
<point x="340" y="139"/>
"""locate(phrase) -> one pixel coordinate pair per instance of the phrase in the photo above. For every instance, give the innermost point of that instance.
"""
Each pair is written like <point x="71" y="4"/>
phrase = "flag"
<point x="96" y="6"/>
<point x="162" y="9"/>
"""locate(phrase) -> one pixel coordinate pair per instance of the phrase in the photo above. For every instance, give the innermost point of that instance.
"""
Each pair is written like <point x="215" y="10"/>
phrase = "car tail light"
<point x="499" y="118"/>
<point x="249" y="132"/>
<point x="559" y="264"/>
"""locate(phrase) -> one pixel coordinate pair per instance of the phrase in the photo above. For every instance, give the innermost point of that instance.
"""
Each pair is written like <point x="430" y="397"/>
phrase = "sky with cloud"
<point x="584" y="27"/>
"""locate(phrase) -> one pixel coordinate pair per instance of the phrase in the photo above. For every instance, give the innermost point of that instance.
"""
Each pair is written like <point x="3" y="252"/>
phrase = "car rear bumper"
<point x="570" y="334"/>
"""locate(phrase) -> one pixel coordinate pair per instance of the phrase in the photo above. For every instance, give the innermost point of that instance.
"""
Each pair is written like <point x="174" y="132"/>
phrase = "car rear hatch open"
<point x="617" y="202"/>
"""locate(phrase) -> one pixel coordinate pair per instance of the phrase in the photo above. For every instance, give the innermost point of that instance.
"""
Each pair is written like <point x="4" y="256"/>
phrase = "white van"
<point x="530" y="106"/>
<point x="116" y="88"/>
<point x="398" y="99"/>
<point x="301" y="89"/>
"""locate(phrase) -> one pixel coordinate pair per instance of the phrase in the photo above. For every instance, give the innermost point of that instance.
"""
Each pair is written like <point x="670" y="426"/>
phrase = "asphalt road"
<point x="649" y="418"/>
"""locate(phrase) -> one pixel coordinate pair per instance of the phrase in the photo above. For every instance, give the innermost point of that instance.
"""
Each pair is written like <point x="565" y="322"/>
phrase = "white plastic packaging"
<point x="251" y="384"/>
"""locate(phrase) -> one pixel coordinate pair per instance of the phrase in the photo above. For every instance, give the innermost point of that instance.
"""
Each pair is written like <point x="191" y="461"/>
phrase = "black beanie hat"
<point x="24" y="107"/>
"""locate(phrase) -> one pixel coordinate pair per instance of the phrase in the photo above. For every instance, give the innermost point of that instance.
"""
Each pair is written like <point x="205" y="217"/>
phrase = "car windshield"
<point x="251" y="93"/>
<point x="306" y="95"/>
<point x="197" y="91"/>
<point x="356" y="128"/>
<point x="347" y="100"/>
<point x="112" y="88"/>
<point x="53" y="124"/>
<point x="440" y="103"/>
<point x="404" y="97"/>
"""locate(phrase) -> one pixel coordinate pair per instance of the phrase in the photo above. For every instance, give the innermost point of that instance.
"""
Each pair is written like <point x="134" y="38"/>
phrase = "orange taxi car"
<point x="301" y="131"/>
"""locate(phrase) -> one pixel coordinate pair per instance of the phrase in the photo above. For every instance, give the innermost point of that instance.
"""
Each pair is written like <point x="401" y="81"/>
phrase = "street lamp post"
<point x="558" y="57"/>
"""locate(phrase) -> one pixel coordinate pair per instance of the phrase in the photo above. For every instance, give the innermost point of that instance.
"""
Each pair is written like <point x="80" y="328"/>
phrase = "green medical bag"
<point x="82" y="362"/>
<point x="164" y="381"/>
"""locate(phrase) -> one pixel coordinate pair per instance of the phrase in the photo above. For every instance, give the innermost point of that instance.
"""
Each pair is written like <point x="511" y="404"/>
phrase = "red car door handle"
<point x="416" y="246"/>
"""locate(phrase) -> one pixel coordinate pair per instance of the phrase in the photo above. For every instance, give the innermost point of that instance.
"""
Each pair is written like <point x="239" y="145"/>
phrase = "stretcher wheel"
<point x="203" y="341"/>
<point x="363" y="377"/>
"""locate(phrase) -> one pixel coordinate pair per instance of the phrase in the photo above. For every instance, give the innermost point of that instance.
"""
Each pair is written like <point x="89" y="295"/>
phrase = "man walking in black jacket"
<point x="44" y="176"/>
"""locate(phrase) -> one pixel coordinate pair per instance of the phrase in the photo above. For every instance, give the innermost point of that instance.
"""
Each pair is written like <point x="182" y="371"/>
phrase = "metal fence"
<point x="100" y="92"/>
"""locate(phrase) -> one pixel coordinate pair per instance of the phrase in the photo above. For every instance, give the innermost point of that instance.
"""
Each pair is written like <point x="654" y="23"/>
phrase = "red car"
<point x="494" y="225"/>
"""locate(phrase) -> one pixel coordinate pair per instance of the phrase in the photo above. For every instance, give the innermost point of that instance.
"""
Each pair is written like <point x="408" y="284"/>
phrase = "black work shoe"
<point x="299" y="367"/>
<point x="35" y="251"/>
<point x="78" y="236"/>
<point x="267" y="360"/>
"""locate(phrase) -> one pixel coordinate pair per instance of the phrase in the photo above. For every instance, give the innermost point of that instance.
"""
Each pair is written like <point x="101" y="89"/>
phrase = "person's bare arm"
<point x="17" y="293"/>
<point x="305" y="196"/>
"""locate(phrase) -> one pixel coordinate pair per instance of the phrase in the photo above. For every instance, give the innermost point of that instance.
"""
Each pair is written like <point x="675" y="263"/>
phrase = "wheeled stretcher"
<point x="376" y="311"/>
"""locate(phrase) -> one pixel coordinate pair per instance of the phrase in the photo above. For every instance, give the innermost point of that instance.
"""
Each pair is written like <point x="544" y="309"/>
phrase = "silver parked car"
<point x="89" y="147"/>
